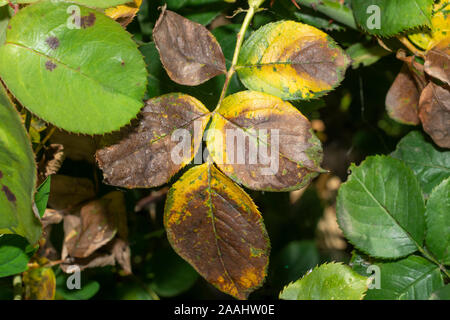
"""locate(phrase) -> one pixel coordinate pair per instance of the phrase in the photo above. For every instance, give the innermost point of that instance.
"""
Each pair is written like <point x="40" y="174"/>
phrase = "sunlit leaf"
<point x="434" y="112"/>
<point x="124" y="14"/>
<point x="95" y="55"/>
<point x="149" y="152"/>
<point x="380" y="208"/>
<point x="264" y="143"/>
<point x="189" y="52"/>
<point x="17" y="175"/>
<point x="330" y="281"/>
<point x="390" y="17"/>
<point x="438" y="222"/>
<point x="215" y="226"/>
<point x="430" y="165"/>
<point x="291" y="60"/>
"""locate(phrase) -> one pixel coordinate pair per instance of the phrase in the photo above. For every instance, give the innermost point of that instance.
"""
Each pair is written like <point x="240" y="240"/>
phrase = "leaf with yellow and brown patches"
<point x="291" y="60"/>
<point x="437" y="61"/>
<point x="215" y="226"/>
<point x="40" y="283"/>
<point x="125" y="13"/>
<point x="190" y="53"/>
<point x="264" y="143"/>
<point x="434" y="112"/>
<point x="145" y="154"/>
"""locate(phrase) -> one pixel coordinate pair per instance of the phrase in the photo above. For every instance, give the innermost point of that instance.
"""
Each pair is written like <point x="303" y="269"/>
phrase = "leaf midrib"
<point x="388" y="213"/>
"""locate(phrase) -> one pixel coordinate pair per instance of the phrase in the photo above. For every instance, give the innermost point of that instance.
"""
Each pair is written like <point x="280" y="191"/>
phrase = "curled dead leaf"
<point x="190" y="54"/>
<point x="434" y="112"/>
<point x="437" y="61"/>
<point x="68" y="192"/>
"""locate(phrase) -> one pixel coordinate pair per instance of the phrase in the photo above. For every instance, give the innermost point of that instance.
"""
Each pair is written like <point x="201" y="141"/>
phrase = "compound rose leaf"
<point x="190" y="54"/>
<point x="215" y="226"/>
<point x="149" y="152"/>
<point x="264" y="143"/>
<point x="291" y="60"/>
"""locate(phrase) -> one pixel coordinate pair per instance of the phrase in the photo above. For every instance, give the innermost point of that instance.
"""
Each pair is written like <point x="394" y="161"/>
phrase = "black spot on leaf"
<point x="88" y="21"/>
<point x="9" y="195"/>
<point x="52" y="42"/>
<point x="50" y="66"/>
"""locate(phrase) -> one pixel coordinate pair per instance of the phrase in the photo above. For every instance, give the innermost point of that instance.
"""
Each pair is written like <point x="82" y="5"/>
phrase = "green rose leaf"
<point x="15" y="252"/>
<point x="389" y="17"/>
<point x="41" y="197"/>
<point x="89" y="3"/>
<point x="46" y="49"/>
<point x="17" y="175"/>
<point x="441" y="294"/>
<point x="438" y="222"/>
<point x="430" y="164"/>
<point x="412" y="278"/>
<point x="381" y="209"/>
<point x="332" y="281"/>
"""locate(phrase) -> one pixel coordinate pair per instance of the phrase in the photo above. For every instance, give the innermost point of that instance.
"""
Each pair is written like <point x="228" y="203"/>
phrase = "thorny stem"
<point x="240" y="38"/>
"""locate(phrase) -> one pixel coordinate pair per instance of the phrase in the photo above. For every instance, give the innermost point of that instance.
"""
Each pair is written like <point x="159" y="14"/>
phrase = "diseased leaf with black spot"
<point x="147" y="153"/>
<point x="264" y="143"/>
<point x="40" y="284"/>
<point x="190" y="54"/>
<point x="434" y="112"/>
<point x="389" y="17"/>
<point x="215" y="226"/>
<point x="402" y="100"/>
<point x="98" y="58"/>
<point x="124" y="13"/>
<point x="291" y="60"/>
<point x="437" y="61"/>
<point x="17" y="174"/>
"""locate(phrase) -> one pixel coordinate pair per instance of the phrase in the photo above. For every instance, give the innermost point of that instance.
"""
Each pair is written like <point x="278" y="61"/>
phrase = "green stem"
<point x="333" y="9"/>
<point x="240" y="38"/>
<point x="427" y="255"/>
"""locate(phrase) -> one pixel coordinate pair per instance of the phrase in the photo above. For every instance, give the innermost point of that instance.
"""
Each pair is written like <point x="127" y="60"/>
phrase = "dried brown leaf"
<point x="68" y="192"/>
<point x="437" y="61"/>
<point x="76" y="147"/>
<point x="190" y="54"/>
<point x="434" y="112"/>
<point x="140" y="156"/>
<point x="51" y="161"/>
<point x="402" y="100"/>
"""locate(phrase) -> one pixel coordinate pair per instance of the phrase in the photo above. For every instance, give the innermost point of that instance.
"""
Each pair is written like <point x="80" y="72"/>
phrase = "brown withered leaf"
<point x="264" y="143"/>
<point x="96" y="235"/>
<point x="190" y="54"/>
<point x="437" y="61"/>
<point x="68" y="192"/>
<point x="51" y="161"/>
<point x="402" y="100"/>
<point x="95" y="230"/>
<point x="215" y="226"/>
<point x="141" y="155"/>
<point x="76" y="147"/>
<point x="434" y="112"/>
